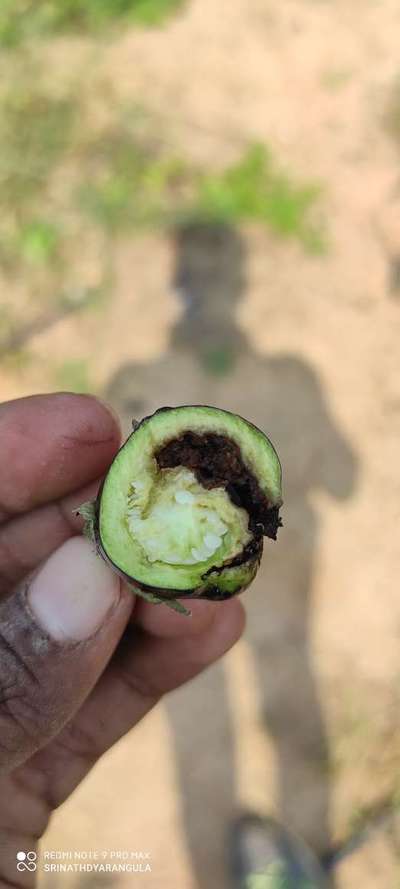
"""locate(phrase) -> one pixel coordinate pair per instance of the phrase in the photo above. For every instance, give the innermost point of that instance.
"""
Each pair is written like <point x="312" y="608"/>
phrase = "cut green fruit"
<point x="186" y="503"/>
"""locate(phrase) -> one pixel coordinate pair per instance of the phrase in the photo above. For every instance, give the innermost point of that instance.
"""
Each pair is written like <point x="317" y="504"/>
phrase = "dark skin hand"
<point x="81" y="661"/>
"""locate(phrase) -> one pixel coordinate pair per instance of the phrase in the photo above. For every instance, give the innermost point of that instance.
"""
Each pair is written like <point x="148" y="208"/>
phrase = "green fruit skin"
<point x="218" y="586"/>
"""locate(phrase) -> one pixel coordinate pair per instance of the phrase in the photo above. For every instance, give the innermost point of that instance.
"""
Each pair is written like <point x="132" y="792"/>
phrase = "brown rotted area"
<point x="217" y="462"/>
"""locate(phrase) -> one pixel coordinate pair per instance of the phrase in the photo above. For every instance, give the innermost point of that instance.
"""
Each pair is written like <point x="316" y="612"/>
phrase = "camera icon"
<point x="27" y="861"/>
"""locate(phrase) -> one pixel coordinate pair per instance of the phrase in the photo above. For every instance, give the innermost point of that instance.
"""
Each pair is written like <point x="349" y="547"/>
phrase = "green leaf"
<point x="38" y="241"/>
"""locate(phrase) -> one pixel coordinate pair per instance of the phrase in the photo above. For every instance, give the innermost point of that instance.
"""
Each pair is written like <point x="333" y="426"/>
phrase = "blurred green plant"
<point x="6" y="320"/>
<point x="277" y="877"/>
<point x="395" y="798"/>
<point x="130" y="182"/>
<point x="38" y="241"/>
<point x="36" y="131"/>
<point x="218" y="361"/>
<point x="69" y="186"/>
<point x="255" y="189"/>
<point x="73" y="375"/>
<point x="26" y="19"/>
<point x="334" y="79"/>
<point x="18" y="361"/>
<point x="137" y="185"/>
<point x="357" y="819"/>
<point x="120" y="177"/>
<point x="393" y="114"/>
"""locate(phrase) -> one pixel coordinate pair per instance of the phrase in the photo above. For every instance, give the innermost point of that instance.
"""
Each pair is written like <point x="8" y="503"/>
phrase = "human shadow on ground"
<point x="210" y="360"/>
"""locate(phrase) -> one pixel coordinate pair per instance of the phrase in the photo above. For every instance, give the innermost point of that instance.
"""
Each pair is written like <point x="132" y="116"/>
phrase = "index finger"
<point x="50" y="445"/>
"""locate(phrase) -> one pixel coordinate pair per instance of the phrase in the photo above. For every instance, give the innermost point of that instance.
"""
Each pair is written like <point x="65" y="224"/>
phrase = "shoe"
<point x="264" y="855"/>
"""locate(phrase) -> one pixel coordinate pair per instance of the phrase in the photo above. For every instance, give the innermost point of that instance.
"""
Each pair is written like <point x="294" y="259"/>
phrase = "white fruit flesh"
<point x="178" y="522"/>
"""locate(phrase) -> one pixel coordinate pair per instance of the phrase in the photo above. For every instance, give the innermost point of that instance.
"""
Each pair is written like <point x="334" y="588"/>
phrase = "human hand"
<point x="81" y="661"/>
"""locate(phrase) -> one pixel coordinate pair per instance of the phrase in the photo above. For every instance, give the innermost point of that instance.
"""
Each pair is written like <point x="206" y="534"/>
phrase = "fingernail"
<point x="73" y="592"/>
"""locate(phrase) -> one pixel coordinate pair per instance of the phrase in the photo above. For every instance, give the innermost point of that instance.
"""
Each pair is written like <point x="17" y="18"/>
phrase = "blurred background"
<point x="200" y="202"/>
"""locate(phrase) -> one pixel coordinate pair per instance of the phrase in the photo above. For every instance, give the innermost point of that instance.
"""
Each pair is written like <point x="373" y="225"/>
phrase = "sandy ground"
<point x="302" y="718"/>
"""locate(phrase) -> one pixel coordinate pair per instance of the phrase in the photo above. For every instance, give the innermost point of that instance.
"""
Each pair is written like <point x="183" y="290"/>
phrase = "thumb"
<point x="57" y="633"/>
